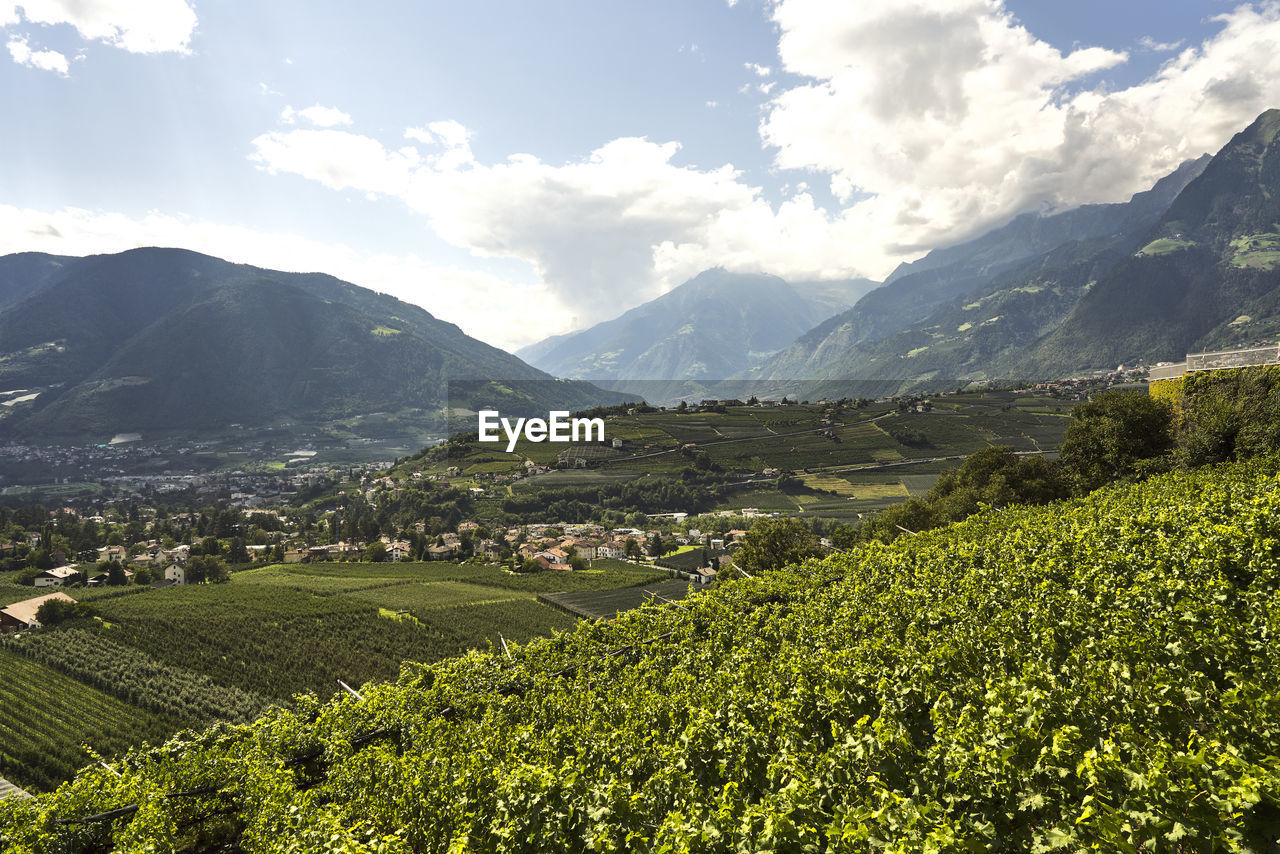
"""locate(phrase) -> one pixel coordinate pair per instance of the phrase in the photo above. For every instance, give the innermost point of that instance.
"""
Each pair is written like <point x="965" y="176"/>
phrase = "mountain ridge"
<point x="169" y="339"/>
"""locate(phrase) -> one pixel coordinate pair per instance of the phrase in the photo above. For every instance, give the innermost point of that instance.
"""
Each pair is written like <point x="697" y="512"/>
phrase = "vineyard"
<point x="155" y="661"/>
<point x="46" y="717"/>
<point x="1094" y="675"/>
<point x="607" y="604"/>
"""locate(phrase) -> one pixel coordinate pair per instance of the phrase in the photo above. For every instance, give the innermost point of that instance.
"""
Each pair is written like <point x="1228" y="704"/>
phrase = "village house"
<point x="612" y="549"/>
<point x="175" y="574"/>
<point x="21" y="616"/>
<point x="58" y="576"/>
<point x="100" y="580"/>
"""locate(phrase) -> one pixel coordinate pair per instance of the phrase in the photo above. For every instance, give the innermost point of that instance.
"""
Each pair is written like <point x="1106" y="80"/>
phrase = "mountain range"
<point x="1193" y="263"/>
<point x="167" y="340"/>
<point x="154" y="340"/>
<point x="711" y="327"/>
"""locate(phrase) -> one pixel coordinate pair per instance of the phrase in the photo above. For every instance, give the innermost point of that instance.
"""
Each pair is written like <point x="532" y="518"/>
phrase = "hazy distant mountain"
<point x="165" y="339"/>
<point x="712" y="326"/>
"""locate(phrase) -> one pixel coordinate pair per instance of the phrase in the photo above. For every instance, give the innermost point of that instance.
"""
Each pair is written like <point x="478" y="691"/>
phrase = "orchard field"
<point x="155" y="661"/>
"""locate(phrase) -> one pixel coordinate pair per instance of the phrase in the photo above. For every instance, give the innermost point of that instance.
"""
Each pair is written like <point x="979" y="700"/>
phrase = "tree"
<point x="775" y="543"/>
<point x="55" y="611"/>
<point x="237" y="551"/>
<point x="116" y="576"/>
<point x="631" y="548"/>
<point x="208" y="568"/>
<point x="656" y="545"/>
<point x="530" y="565"/>
<point x="1110" y="437"/>
<point x="142" y="576"/>
<point x="375" y="552"/>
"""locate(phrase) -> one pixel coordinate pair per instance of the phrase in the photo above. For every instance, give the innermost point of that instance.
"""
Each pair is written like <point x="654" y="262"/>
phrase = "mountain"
<point x="1029" y="269"/>
<point x="155" y="340"/>
<point x="1207" y="276"/>
<point x="711" y="327"/>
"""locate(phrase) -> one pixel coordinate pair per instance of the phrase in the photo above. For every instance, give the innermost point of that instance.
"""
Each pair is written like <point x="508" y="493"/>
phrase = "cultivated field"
<point x="155" y="661"/>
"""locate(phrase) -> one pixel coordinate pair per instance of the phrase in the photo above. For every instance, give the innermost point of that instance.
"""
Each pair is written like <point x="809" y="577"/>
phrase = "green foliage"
<point x="1229" y="414"/>
<point x="775" y="543"/>
<point x="207" y="567"/>
<point x="1099" y="675"/>
<point x="1111" y="437"/>
<point x="46" y="717"/>
<point x="95" y="659"/>
<point x="55" y="612"/>
<point x="995" y="477"/>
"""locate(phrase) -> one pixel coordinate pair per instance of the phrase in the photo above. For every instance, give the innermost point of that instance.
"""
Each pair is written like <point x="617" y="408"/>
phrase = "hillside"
<point x="1091" y="675"/>
<point x="155" y="340"/>
<point x="915" y="307"/>
<point x="708" y="328"/>
<point x="1207" y="275"/>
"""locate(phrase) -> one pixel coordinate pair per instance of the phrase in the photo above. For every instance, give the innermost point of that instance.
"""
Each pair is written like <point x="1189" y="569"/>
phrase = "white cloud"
<point x="1148" y="43"/>
<point x="929" y="122"/>
<point x="323" y="117"/>
<point x="952" y="117"/>
<point x="45" y="60"/>
<point x="337" y="159"/>
<point x="138" y="26"/>
<point x="603" y="233"/>
<point x="449" y="292"/>
<point x="758" y="70"/>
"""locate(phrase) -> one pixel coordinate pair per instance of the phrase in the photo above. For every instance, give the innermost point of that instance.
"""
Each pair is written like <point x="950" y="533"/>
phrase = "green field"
<point x="153" y="661"/>
<point x="1099" y="674"/>
<point x="45" y="717"/>
<point x="1165" y="245"/>
<point x="607" y="604"/>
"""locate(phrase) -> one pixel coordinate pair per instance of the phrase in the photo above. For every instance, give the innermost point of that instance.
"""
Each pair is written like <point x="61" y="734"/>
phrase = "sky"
<point x="526" y="169"/>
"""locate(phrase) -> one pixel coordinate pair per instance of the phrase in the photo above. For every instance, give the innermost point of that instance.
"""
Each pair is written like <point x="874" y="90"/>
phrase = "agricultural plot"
<point x="434" y="595"/>
<point x="279" y="576"/>
<point x="45" y="717"/>
<point x="127" y="674"/>
<point x="918" y="484"/>
<point x="605" y="605"/>
<point x="830" y="483"/>
<point x="478" y="626"/>
<point x="160" y="660"/>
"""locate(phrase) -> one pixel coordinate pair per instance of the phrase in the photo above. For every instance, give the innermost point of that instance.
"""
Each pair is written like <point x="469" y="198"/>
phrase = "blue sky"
<point x="524" y="169"/>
